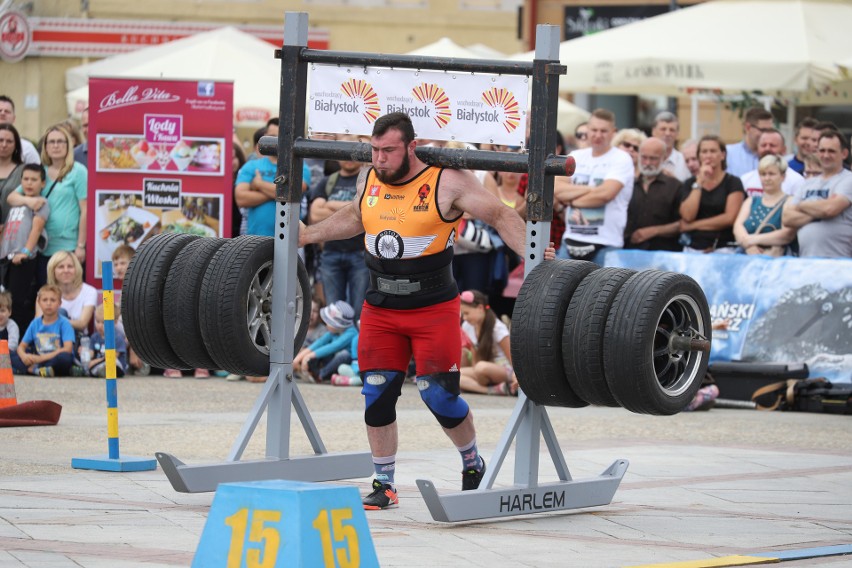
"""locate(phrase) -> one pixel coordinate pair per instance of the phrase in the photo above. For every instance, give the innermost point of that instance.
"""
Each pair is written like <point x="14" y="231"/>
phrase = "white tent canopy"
<point x="780" y="47"/>
<point x="445" y="47"/>
<point x="221" y="54"/>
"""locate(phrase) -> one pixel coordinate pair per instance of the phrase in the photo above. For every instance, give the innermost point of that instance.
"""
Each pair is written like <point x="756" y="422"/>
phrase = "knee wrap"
<point x="380" y="390"/>
<point x="440" y="392"/>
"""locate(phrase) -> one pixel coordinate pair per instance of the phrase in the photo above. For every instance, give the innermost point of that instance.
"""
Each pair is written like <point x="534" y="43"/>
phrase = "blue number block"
<point x="285" y="523"/>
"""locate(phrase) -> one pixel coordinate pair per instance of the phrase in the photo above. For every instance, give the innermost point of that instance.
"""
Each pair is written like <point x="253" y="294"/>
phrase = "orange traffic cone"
<point x="7" y="380"/>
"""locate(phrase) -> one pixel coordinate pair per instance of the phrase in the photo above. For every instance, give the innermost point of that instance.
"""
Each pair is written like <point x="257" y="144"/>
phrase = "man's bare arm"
<point x="600" y="195"/>
<point x="793" y="217"/>
<point x="828" y="208"/>
<point x="344" y="223"/>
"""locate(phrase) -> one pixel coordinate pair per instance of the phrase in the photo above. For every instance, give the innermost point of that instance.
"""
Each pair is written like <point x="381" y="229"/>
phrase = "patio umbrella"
<point x="223" y="54"/>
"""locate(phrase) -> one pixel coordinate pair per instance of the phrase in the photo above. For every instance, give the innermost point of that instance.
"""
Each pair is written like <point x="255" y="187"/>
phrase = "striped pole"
<point x="109" y="341"/>
<point x="112" y="461"/>
<point x="7" y="380"/>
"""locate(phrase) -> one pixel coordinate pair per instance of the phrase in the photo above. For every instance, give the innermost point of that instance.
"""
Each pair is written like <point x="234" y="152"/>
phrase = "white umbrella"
<point x="774" y="46"/>
<point x="221" y="54"/>
<point x="486" y="52"/>
<point x="445" y="47"/>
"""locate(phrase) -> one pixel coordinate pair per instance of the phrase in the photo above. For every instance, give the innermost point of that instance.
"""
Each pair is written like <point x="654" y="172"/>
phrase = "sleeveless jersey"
<point x="402" y="221"/>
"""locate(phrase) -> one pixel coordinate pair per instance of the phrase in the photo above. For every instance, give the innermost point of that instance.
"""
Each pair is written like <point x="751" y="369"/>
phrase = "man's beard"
<point x="650" y="171"/>
<point x="396" y="175"/>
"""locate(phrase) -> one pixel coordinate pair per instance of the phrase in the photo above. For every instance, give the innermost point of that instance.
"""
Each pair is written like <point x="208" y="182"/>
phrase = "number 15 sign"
<point x="271" y="524"/>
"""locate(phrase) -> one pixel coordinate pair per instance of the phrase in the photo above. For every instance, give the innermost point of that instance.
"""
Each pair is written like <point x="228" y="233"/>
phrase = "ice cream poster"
<point x="160" y="160"/>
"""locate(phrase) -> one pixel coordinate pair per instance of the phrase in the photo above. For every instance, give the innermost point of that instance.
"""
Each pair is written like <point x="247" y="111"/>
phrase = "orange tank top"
<point x="403" y="221"/>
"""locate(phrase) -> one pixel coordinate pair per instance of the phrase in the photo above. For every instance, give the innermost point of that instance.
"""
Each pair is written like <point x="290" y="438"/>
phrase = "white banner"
<point x="442" y="105"/>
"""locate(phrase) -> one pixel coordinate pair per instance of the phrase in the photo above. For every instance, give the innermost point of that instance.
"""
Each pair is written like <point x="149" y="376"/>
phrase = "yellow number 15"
<point x="268" y="537"/>
<point x="341" y="532"/>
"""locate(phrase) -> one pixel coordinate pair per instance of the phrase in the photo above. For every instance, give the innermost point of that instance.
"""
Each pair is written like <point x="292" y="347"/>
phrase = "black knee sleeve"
<point x="381" y="389"/>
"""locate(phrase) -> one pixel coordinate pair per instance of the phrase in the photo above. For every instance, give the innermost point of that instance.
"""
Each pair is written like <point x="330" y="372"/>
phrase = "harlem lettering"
<point x="532" y="501"/>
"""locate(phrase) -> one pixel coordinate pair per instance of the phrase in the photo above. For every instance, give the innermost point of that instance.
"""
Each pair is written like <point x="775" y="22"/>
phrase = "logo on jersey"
<point x="395" y="214"/>
<point x="373" y="195"/>
<point x="423" y="195"/>
<point x="389" y="245"/>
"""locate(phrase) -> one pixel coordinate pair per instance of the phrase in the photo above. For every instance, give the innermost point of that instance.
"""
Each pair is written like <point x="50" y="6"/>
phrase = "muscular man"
<point x="410" y="213"/>
<point x="821" y="210"/>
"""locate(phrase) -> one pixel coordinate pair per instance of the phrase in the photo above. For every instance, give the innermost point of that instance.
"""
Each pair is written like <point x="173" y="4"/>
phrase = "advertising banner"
<point x="159" y="161"/>
<point x="769" y="310"/>
<point x="467" y="107"/>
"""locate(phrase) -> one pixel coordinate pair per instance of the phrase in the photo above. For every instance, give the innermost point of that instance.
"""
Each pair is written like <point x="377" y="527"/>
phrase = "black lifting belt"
<point x="412" y="283"/>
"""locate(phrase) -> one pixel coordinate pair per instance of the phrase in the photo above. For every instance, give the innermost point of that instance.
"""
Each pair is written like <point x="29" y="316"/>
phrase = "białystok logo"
<point x="431" y="93"/>
<point x="504" y="100"/>
<point x="360" y="89"/>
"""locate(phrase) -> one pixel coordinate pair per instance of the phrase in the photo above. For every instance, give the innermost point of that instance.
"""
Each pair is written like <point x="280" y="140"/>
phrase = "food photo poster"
<point x="159" y="161"/>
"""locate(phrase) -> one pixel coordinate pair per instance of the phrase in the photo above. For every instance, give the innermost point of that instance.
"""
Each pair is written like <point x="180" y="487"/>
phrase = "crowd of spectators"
<point x="631" y="189"/>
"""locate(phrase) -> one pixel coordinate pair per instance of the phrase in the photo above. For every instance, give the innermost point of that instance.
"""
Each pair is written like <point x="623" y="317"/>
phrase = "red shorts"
<point x="388" y="338"/>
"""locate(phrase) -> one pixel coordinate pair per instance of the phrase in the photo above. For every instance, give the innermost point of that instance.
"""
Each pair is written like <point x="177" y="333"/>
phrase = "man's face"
<point x="690" y="154"/>
<point x="806" y="141"/>
<point x="831" y="155"/>
<point x="391" y="156"/>
<point x="651" y="158"/>
<point x="753" y="131"/>
<point x="667" y="132"/>
<point x="771" y="143"/>
<point x="31" y="183"/>
<point x="601" y="133"/>
<point x="7" y="113"/>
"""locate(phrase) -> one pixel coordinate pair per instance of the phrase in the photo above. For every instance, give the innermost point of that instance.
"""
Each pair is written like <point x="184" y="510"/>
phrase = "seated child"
<point x="8" y="328"/>
<point x="47" y="347"/>
<point x="319" y="361"/>
<point x="121" y="257"/>
<point x="348" y="374"/>
<point x="97" y="364"/>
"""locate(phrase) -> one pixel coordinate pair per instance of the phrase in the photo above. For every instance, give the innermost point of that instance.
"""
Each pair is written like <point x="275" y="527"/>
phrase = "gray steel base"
<point x="488" y="503"/>
<point x="528" y="424"/>
<point x="279" y="396"/>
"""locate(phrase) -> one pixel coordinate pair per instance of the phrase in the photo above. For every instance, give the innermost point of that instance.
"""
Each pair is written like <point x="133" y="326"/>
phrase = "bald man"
<point x="653" y="214"/>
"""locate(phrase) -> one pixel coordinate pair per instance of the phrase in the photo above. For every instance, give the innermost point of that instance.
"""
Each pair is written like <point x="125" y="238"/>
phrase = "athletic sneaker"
<point x="46" y="372"/>
<point x="382" y="497"/>
<point x="471" y="477"/>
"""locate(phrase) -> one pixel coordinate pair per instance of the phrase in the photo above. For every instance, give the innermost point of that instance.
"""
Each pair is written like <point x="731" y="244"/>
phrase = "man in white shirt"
<point x="771" y="141"/>
<point x="7" y="116"/>
<point x="596" y="197"/>
<point x="822" y="208"/>
<point x="666" y="129"/>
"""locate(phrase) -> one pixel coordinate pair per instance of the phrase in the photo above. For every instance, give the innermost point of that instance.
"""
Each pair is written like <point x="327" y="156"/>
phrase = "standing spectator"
<point x="81" y="151"/>
<point x="23" y="240"/>
<point x="342" y="268"/>
<point x="598" y="193"/>
<point x="65" y="191"/>
<point x="238" y="160"/>
<point x="806" y="138"/>
<point x="629" y="140"/>
<point x="758" y="228"/>
<point x="710" y="201"/>
<point x="29" y="154"/>
<point x="11" y="166"/>
<point x="771" y="143"/>
<point x="666" y="128"/>
<point x="689" y="149"/>
<point x="47" y="347"/>
<point x="653" y="217"/>
<point x="742" y="157"/>
<point x="78" y="298"/>
<point x="256" y="190"/>
<point x="581" y="136"/>
<point x="821" y="209"/>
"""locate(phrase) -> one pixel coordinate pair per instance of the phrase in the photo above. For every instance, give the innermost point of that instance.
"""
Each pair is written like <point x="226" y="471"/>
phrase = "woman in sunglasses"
<point x="629" y="140"/>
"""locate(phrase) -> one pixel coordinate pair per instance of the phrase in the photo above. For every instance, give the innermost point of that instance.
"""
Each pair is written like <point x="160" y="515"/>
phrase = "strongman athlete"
<point x="410" y="214"/>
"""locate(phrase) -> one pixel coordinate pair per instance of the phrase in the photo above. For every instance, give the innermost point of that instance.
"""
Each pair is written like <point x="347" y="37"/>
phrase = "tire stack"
<point x="192" y="302"/>
<point x="584" y="335"/>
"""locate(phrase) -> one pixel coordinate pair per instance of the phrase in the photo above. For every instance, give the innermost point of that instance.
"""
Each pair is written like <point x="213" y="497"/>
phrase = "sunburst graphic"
<point x="427" y="92"/>
<point x="504" y="98"/>
<point x="359" y="89"/>
<point x="399" y="213"/>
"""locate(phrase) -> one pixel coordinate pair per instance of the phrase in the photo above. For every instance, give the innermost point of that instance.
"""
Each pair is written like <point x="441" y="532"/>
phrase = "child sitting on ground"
<point x="319" y="361"/>
<point x="489" y="368"/>
<point x="97" y="364"/>
<point x="348" y="373"/>
<point x="47" y="347"/>
<point x="8" y="328"/>
<point x="121" y="257"/>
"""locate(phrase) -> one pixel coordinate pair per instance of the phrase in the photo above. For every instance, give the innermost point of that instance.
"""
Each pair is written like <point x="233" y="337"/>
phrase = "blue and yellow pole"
<point x="109" y="342"/>
<point x="112" y="461"/>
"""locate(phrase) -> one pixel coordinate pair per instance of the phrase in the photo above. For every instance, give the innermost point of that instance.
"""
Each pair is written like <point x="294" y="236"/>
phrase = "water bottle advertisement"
<point x="772" y="310"/>
<point x="159" y="161"/>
